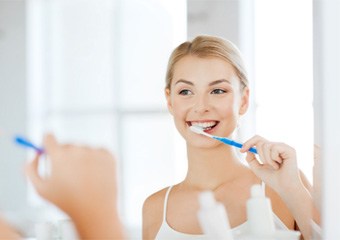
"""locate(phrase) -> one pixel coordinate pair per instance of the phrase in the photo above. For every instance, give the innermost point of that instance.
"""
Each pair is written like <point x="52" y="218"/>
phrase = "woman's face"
<point x="206" y="92"/>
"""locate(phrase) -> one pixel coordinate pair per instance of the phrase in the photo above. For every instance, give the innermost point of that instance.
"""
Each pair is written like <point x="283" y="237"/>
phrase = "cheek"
<point x="179" y="108"/>
<point x="229" y="110"/>
<point x="179" y="114"/>
<point x="226" y="108"/>
<point x="229" y="118"/>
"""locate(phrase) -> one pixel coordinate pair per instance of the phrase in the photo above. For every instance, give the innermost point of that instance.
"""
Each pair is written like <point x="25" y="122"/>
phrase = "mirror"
<point x="67" y="66"/>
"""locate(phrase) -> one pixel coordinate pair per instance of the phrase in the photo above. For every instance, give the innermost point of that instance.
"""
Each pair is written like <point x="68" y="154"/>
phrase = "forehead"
<point x="193" y="67"/>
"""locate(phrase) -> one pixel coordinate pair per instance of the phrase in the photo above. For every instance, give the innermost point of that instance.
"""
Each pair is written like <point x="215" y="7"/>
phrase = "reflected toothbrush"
<point x="44" y="169"/>
<point x="225" y="140"/>
<point x="26" y="143"/>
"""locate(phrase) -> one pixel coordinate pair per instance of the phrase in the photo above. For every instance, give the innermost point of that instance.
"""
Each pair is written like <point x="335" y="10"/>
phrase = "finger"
<point x="267" y="151"/>
<point x="275" y="155"/>
<point x="261" y="152"/>
<point x="251" y="143"/>
<point x="106" y="154"/>
<point x="286" y="152"/>
<point x="263" y="148"/>
<point x="252" y="161"/>
<point x="50" y="143"/>
<point x="31" y="170"/>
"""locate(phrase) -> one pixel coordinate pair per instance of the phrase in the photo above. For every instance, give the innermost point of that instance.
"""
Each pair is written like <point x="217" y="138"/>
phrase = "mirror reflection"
<point x="94" y="73"/>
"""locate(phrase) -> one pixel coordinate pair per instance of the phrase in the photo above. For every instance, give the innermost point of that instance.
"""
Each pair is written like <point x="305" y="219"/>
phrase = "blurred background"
<point x="93" y="72"/>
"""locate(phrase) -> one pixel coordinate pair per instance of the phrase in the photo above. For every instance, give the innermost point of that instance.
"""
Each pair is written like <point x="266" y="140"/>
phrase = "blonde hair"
<point x="208" y="46"/>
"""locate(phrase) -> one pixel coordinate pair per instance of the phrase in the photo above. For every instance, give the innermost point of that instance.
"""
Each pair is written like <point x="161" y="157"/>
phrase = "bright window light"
<point x="283" y="75"/>
<point x="99" y="67"/>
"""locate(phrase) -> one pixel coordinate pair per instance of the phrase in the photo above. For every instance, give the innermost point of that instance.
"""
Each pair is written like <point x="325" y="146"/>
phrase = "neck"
<point x="209" y="168"/>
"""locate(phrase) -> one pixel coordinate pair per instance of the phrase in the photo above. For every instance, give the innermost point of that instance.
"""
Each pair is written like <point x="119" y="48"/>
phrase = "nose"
<point x="201" y="105"/>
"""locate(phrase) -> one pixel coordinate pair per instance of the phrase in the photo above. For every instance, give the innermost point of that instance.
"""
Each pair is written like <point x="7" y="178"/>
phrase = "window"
<point x="97" y="76"/>
<point x="284" y="75"/>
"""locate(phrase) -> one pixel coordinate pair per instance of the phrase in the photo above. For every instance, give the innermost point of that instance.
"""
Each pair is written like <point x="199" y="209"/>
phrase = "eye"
<point x="185" y="92"/>
<point x="218" y="91"/>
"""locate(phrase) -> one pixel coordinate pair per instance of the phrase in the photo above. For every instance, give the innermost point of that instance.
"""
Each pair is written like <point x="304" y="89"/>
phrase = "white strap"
<point x="166" y="202"/>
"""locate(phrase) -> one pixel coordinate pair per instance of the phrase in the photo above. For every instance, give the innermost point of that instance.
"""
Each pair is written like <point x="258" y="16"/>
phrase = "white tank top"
<point x="166" y="232"/>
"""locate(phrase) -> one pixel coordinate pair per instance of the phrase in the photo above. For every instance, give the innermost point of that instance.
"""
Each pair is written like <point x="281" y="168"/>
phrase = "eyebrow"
<point x="219" y="81"/>
<point x="184" y="81"/>
<point x="210" y="84"/>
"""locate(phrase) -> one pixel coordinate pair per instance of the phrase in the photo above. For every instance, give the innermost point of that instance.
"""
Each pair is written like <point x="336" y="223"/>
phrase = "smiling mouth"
<point x="206" y="126"/>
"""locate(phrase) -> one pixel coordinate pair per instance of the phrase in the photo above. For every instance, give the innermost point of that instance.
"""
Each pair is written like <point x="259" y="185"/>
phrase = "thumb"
<point x="31" y="170"/>
<point x="252" y="161"/>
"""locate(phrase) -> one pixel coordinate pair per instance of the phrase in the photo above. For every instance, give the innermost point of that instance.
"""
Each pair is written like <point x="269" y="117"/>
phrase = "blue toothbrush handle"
<point x="24" y="142"/>
<point x="235" y="144"/>
<point x="253" y="150"/>
<point x="239" y="145"/>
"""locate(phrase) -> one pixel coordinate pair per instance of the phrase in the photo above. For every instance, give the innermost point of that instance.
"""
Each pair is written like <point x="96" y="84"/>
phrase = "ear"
<point x="244" y="101"/>
<point x="168" y="100"/>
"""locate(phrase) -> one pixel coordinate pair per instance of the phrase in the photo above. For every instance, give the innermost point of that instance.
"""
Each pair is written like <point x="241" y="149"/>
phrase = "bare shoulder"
<point x="154" y="203"/>
<point x="153" y="214"/>
<point x="280" y="208"/>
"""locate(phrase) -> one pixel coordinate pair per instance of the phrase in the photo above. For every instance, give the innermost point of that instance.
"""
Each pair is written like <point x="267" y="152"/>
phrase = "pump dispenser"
<point x="259" y="212"/>
<point x="213" y="218"/>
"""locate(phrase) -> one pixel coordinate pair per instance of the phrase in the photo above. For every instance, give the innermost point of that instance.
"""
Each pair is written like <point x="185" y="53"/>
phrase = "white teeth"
<point x="204" y="125"/>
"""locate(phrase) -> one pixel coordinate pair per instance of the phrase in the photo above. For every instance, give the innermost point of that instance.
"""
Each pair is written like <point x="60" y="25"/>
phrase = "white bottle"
<point x="67" y="230"/>
<point x="213" y="218"/>
<point x="259" y="213"/>
<point x="43" y="231"/>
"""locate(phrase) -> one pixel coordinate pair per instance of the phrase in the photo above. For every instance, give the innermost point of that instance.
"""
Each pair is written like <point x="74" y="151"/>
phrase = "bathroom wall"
<point x="13" y="103"/>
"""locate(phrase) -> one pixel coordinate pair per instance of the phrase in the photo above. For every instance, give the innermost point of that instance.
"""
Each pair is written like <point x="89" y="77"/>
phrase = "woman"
<point x="207" y="86"/>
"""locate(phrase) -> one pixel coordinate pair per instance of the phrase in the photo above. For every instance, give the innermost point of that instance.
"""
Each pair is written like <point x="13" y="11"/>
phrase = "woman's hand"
<point x="275" y="164"/>
<point x="82" y="183"/>
<point x="78" y="176"/>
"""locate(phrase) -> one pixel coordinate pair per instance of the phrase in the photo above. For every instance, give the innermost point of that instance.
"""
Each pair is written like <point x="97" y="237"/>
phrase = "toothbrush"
<point x="26" y="143"/>
<point x="225" y="140"/>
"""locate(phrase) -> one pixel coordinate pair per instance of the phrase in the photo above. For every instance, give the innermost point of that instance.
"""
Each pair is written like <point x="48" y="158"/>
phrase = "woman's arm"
<point x="276" y="165"/>
<point x="82" y="183"/>
<point x="7" y="232"/>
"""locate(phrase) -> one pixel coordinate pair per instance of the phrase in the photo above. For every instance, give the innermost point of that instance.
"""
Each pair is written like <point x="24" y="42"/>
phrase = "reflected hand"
<point x="82" y="183"/>
<point x="80" y="176"/>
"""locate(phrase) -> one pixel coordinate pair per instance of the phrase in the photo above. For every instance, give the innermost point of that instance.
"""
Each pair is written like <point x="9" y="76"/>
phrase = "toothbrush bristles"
<point x="199" y="130"/>
<point x="196" y="129"/>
